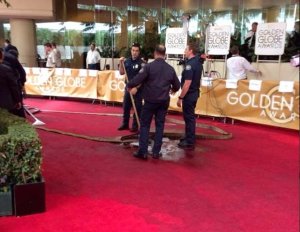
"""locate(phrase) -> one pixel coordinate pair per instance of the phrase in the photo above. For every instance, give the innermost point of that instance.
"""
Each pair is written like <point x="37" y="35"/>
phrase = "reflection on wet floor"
<point x="170" y="150"/>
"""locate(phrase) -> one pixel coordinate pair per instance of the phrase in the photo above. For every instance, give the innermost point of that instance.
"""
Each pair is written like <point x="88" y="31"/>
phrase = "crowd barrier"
<point x="274" y="103"/>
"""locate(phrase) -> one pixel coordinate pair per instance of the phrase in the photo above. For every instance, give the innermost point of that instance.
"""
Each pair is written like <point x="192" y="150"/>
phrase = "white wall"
<point x="32" y="9"/>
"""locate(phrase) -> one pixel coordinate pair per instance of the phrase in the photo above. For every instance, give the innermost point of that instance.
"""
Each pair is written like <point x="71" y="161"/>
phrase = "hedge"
<point x="20" y="151"/>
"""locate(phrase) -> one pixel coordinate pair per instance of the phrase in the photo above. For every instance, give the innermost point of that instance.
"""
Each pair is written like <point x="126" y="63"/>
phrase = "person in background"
<point x="238" y="66"/>
<point x="293" y="45"/>
<point x="133" y="65"/>
<point x="8" y="46"/>
<point x="251" y="36"/>
<point x="56" y="55"/>
<point x="93" y="58"/>
<point x="190" y="90"/>
<point x="249" y="46"/>
<point x="158" y="79"/>
<point x="10" y="97"/>
<point x="11" y="59"/>
<point x="49" y="56"/>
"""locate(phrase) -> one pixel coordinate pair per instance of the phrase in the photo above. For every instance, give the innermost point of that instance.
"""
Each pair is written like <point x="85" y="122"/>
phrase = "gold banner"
<point x="111" y="86"/>
<point x="61" y="82"/>
<point x="267" y="106"/>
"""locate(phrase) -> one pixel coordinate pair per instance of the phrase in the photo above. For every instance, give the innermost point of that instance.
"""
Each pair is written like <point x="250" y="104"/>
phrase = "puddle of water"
<point x="169" y="150"/>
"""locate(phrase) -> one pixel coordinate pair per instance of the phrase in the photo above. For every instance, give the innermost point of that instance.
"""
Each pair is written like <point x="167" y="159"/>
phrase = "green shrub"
<point x="20" y="151"/>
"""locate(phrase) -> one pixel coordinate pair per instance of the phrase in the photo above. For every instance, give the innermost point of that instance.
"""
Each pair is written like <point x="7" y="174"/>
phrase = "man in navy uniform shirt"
<point x="132" y="65"/>
<point x="158" y="79"/>
<point x="190" y="84"/>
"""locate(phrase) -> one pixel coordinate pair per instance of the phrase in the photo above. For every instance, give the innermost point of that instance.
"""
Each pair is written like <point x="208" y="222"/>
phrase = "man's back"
<point x="9" y="89"/>
<point x="16" y="66"/>
<point x="237" y="68"/>
<point x="158" y="79"/>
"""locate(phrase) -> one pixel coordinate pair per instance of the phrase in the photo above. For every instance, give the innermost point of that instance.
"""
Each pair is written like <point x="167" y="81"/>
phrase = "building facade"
<point x="115" y="24"/>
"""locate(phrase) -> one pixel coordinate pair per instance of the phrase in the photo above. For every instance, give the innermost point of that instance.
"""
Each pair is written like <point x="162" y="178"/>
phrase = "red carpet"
<point x="249" y="183"/>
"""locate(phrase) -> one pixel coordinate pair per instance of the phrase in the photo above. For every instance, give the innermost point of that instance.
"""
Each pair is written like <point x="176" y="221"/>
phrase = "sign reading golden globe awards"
<point x="270" y="39"/>
<point x="61" y="82"/>
<point x="265" y="102"/>
<point x="218" y="40"/>
<point x="176" y="40"/>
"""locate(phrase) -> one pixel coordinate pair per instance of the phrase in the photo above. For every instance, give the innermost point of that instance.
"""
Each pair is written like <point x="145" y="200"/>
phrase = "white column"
<point x="23" y="36"/>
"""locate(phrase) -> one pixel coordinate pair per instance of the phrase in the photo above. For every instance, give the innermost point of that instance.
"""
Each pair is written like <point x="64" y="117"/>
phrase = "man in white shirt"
<point x="56" y="56"/>
<point x="49" y="55"/>
<point x="93" y="58"/>
<point x="238" y="66"/>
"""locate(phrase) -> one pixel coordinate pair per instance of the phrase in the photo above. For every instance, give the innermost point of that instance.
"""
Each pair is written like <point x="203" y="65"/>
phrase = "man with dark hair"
<point x="250" y="37"/>
<point x="56" y="55"/>
<point x="158" y="79"/>
<point x="238" y="66"/>
<point x="49" y="55"/>
<point x="93" y="58"/>
<point x="11" y="59"/>
<point x="249" y="45"/>
<point x="190" y="89"/>
<point x="8" y="46"/>
<point x="132" y="65"/>
<point x="10" y="97"/>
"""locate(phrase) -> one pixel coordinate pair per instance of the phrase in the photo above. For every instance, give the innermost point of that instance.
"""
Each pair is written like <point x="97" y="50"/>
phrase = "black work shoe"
<point x="123" y="127"/>
<point x="186" y="145"/>
<point x="140" y="156"/>
<point x="156" y="156"/>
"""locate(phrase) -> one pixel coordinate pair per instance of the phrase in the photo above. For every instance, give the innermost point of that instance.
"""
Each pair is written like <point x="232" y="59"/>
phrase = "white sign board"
<point x="231" y="84"/>
<point x="286" y="87"/>
<point x="218" y="40"/>
<point x="176" y="40"/>
<point x="270" y="39"/>
<point x="255" y="85"/>
<point x="206" y="81"/>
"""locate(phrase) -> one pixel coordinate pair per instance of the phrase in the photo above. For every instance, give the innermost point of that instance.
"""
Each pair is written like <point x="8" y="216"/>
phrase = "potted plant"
<point x="6" y="201"/>
<point x="20" y="150"/>
<point x="6" y="204"/>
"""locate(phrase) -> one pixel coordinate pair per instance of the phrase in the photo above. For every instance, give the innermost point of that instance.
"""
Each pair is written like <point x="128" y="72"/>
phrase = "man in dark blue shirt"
<point x="132" y="65"/>
<point x="158" y="79"/>
<point x="190" y="90"/>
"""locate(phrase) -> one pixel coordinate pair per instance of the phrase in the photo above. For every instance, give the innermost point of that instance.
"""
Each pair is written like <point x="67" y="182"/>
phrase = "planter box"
<point x="6" y="203"/>
<point x="29" y="198"/>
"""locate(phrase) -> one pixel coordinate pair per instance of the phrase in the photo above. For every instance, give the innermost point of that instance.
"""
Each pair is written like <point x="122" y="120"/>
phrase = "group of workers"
<point x="148" y="86"/>
<point x="152" y="83"/>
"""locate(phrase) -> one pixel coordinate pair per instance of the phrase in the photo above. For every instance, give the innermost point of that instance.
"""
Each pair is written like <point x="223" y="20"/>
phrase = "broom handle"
<point x="131" y="97"/>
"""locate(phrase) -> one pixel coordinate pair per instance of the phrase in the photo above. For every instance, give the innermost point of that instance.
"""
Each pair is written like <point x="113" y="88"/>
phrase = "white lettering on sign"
<point x="277" y="107"/>
<point x="117" y="85"/>
<point x="176" y="40"/>
<point x="218" y="40"/>
<point x="263" y="101"/>
<point x="270" y="39"/>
